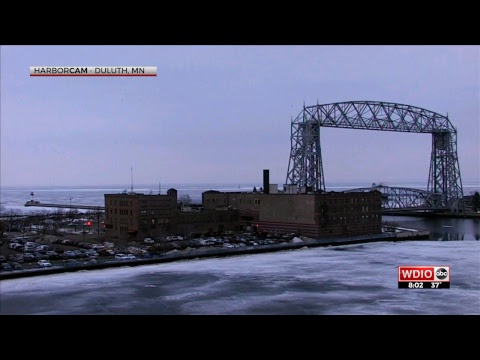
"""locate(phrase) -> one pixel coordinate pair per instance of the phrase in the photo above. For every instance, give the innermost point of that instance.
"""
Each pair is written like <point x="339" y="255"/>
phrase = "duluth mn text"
<point x="119" y="70"/>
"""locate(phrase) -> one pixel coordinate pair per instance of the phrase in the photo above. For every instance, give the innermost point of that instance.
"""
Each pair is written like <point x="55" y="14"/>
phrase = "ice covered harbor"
<point x="358" y="279"/>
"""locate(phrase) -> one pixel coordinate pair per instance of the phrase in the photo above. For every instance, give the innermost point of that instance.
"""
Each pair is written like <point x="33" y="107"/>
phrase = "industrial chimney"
<point x="266" y="181"/>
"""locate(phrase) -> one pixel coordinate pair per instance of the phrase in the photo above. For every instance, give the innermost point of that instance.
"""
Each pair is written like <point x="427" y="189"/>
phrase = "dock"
<point x="63" y="206"/>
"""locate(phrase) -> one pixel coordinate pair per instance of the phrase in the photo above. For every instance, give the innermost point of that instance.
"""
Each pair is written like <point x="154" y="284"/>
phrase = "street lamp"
<point x="70" y="209"/>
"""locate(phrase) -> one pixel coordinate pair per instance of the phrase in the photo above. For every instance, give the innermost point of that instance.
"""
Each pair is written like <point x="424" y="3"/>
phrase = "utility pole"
<point x="98" y="220"/>
<point x="70" y="210"/>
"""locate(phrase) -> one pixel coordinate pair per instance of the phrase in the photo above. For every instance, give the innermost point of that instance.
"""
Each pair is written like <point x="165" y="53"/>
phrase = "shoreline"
<point x="470" y="215"/>
<point x="222" y="252"/>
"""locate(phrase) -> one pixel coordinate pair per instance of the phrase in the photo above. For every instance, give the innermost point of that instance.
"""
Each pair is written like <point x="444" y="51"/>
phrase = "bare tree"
<point x="13" y="218"/>
<point x="185" y="199"/>
<point x="3" y="226"/>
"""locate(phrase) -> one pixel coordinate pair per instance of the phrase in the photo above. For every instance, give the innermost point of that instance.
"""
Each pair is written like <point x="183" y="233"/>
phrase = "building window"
<point x="257" y="202"/>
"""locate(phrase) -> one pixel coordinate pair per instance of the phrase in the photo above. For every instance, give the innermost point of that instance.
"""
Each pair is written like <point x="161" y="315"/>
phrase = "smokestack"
<point x="266" y="182"/>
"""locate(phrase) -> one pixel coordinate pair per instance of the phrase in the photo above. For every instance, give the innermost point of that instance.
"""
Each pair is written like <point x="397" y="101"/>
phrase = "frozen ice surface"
<point x="351" y="279"/>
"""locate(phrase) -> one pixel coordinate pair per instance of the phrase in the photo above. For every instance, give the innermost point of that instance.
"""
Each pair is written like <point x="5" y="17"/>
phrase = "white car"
<point x="149" y="241"/>
<point x="44" y="263"/>
<point x="121" y="257"/>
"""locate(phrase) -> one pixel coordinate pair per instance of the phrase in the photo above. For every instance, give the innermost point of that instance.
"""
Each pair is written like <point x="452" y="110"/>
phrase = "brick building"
<point x="135" y="216"/>
<point x="326" y="214"/>
<point x="315" y="214"/>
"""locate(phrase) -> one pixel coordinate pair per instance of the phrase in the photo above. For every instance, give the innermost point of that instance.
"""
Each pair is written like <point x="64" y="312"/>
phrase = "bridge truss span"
<point x="305" y="169"/>
<point x="402" y="198"/>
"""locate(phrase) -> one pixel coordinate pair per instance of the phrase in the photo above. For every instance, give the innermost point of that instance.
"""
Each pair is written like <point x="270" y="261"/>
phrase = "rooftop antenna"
<point x="131" y="171"/>
<point x="159" y="189"/>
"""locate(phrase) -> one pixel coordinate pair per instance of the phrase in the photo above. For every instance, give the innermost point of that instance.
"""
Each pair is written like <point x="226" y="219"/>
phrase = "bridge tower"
<point x="444" y="180"/>
<point x="305" y="169"/>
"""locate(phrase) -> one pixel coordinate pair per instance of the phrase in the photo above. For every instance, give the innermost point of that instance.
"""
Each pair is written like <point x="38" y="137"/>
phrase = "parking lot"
<point x="30" y="251"/>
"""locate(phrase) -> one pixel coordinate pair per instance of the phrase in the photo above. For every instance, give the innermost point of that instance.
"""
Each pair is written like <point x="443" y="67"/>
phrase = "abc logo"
<point x="441" y="274"/>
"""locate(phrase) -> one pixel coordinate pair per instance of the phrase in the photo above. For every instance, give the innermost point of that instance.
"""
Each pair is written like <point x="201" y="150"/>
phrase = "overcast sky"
<point x="222" y="114"/>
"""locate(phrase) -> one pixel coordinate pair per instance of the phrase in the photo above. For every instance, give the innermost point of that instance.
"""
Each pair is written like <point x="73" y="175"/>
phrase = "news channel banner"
<point x="423" y="277"/>
<point x="93" y="71"/>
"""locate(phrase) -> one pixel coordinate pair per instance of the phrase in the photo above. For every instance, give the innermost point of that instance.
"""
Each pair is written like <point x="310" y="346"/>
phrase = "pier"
<point x="63" y="206"/>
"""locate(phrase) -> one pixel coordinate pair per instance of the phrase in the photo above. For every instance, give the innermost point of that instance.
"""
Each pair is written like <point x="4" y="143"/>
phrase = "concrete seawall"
<point x="202" y="253"/>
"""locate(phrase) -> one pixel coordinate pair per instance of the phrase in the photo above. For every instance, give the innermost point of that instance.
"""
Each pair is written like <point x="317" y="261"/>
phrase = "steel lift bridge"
<point x="444" y="189"/>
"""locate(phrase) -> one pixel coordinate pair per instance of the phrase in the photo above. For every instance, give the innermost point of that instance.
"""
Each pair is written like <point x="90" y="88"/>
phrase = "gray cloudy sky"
<point x="221" y="114"/>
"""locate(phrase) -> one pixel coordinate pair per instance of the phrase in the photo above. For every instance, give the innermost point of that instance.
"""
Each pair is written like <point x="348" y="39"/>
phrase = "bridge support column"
<point x="305" y="169"/>
<point x="444" y="179"/>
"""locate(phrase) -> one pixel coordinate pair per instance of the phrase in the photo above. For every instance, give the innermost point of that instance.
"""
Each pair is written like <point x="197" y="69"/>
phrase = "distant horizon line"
<point x="228" y="183"/>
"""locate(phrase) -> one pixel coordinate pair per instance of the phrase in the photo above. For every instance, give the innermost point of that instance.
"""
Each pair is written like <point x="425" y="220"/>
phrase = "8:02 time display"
<point x="424" y="285"/>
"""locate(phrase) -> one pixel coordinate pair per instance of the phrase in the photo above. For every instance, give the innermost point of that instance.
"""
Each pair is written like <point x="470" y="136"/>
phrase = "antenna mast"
<point x="159" y="189"/>
<point x="131" y="171"/>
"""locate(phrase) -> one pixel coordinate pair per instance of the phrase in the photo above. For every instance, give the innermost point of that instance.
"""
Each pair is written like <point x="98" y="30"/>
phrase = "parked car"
<point x="71" y="263"/>
<point x="16" y="266"/>
<point x="44" y="263"/>
<point x="91" y="253"/>
<point x="149" y="241"/>
<point x="107" y="252"/>
<point x="28" y="257"/>
<point x="121" y="257"/>
<point x="53" y="255"/>
<point x="80" y="253"/>
<point x="69" y="254"/>
<point x="91" y="261"/>
<point x="5" y="267"/>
